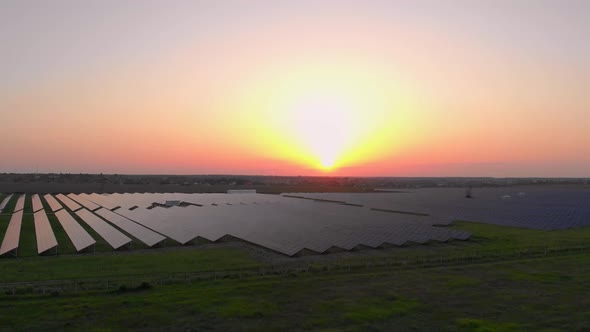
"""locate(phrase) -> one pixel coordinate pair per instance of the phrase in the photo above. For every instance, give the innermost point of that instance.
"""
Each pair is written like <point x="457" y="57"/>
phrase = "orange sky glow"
<point x="360" y="88"/>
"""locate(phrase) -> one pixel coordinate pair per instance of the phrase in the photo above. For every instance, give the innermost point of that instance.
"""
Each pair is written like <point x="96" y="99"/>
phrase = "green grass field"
<point x="548" y="294"/>
<point x="123" y="264"/>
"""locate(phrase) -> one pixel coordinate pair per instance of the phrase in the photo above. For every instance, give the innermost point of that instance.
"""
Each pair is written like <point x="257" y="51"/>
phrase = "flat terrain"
<point x="541" y="294"/>
<point x="509" y="290"/>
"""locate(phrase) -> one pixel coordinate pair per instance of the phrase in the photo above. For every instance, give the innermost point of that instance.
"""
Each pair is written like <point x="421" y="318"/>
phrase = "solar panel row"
<point x="12" y="235"/>
<point x="110" y="234"/>
<point x="20" y="203"/>
<point x="79" y="237"/>
<point x="43" y="232"/>
<point x="530" y="207"/>
<point x="156" y="221"/>
<point x="145" y="235"/>
<point x="36" y="203"/>
<point x="69" y="202"/>
<point x="84" y="202"/>
<point x="101" y="200"/>
<point x="53" y="203"/>
<point x="5" y="202"/>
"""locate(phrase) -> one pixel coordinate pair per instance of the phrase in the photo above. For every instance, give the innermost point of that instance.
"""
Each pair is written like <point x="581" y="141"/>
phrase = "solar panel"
<point x="289" y="228"/>
<point x="145" y="235"/>
<point x="69" y="202"/>
<point x="113" y="237"/>
<point x="12" y="235"/>
<point x="20" y="203"/>
<point x="36" y="203"/>
<point x="530" y="207"/>
<point x="77" y="234"/>
<point x="103" y="200"/>
<point x="5" y="202"/>
<point x="84" y="202"/>
<point x="45" y="237"/>
<point x="53" y="203"/>
<point x="156" y="220"/>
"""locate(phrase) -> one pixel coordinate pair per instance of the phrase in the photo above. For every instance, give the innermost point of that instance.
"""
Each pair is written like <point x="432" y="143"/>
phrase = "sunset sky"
<point x="360" y="88"/>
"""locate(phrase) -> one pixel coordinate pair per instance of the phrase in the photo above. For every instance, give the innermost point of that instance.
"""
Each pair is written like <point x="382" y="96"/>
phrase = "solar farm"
<point x="528" y="207"/>
<point x="290" y="224"/>
<point x="283" y="224"/>
<point x="418" y="259"/>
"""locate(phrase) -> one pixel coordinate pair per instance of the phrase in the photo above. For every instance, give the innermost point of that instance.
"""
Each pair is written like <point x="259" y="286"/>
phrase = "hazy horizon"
<point x="328" y="88"/>
<point x="326" y="175"/>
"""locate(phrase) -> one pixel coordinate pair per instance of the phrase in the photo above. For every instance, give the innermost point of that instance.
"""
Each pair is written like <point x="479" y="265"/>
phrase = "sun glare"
<point x="327" y="117"/>
<point x="327" y="164"/>
<point x="324" y="124"/>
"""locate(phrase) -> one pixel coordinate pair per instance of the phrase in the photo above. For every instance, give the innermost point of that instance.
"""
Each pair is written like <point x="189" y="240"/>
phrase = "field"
<point x="503" y="292"/>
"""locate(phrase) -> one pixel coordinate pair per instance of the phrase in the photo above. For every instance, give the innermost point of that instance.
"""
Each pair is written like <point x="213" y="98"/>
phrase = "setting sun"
<point x="324" y="125"/>
<point x="327" y="164"/>
<point x="324" y="116"/>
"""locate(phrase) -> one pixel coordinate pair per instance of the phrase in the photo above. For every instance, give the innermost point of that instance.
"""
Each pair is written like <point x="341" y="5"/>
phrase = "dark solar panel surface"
<point x="322" y="222"/>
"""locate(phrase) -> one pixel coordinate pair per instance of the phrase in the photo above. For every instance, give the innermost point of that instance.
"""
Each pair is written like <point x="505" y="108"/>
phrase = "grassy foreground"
<point x="547" y="294"/>
<point x="123" y="264"/>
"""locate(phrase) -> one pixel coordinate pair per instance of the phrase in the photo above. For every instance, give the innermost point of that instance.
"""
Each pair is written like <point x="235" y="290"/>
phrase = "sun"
<point x="327" y="164"/>
<point x="324" y="124"/>
<point x="326" y="117"/>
